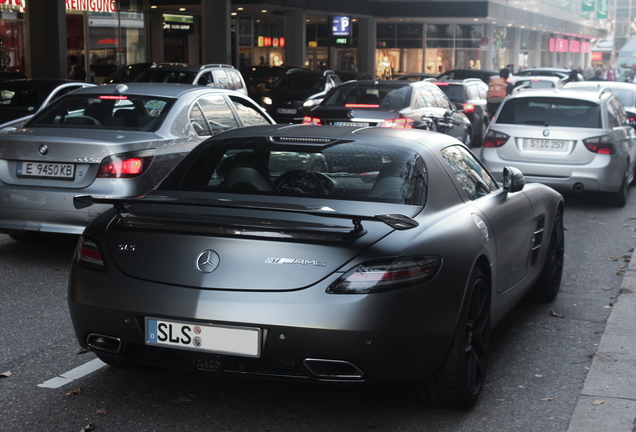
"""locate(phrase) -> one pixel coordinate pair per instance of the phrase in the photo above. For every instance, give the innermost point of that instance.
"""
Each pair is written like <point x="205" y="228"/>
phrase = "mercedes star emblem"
<point x="208" y="261"/>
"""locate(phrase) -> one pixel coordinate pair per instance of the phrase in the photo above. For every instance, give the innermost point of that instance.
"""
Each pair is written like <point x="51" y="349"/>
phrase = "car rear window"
<point x="299" y="81"/>
<point x="453" y="91"/>
<point x="369" y="96"/>
<point x="108" y="111"/>
<point x="166" y="76"/>
<point x="550" y="111"/>
<point x="344" y="171"/>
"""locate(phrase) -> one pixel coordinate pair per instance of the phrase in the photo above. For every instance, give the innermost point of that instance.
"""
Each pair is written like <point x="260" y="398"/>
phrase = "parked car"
<point x="459" y="74"/>
<point x="392" y="104"/>
<point x="390" y="264"/>
<point x="569" y="139"/>
<point x="626" y="93"/>
<point x="293" y="94"/>
<point x="211" y="75"/>
<point x="469" y="97"/>
<point x="545" y="71"/>
<point x="118" y="140"/>
<point x="127" y="73"/>
<point x="21" y="99"/>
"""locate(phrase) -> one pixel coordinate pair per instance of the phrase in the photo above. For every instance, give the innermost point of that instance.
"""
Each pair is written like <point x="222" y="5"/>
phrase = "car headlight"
<point x="387" y="275"/>
<point x="267" y="100"/>
<point x="309" y="103"/>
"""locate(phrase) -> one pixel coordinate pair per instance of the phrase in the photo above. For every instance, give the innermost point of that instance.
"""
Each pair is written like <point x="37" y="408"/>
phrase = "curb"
<point x="608" y="398"/>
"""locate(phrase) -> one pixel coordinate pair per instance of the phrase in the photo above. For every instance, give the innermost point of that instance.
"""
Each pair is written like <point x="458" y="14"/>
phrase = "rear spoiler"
<point x="394" y="220"/>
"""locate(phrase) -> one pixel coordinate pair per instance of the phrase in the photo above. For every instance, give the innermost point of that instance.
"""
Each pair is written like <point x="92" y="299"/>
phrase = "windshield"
<point x="551" y="111"/>
<point x="346" y="171"/>
<point x="129" y="112"/>
<point x="370" y="96"/>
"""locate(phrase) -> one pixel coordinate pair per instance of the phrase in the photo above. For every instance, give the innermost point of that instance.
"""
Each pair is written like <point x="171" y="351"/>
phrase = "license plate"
<point x="546" y="145"/>
<point x="242" y="341"/>
<point x="286" y="111"/>
<point x="46" y="169"/>
<point x="351" y="124"/>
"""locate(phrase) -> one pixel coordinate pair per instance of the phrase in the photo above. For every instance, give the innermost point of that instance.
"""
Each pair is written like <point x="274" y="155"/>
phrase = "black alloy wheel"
<point x="549" y="281"/>
<point x="460" y="380"/>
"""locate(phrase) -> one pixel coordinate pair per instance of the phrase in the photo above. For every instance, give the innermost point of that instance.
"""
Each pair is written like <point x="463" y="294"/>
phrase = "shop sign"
<point x="597" y="56"/>
<point x="91" y="5"/>
<point x="12" y="5"/>
<point x="575" y="46"/>
<point x="585" y="47"/>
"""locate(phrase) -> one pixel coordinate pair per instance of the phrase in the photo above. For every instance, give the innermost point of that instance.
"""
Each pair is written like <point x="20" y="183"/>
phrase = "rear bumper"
<point x="603" y="174"/>
<point x="392" y="337"/>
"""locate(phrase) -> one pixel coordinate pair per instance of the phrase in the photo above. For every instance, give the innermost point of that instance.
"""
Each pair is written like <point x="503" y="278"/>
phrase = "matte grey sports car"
<point x="111" y="140"/>
<point x="323" y="253"/>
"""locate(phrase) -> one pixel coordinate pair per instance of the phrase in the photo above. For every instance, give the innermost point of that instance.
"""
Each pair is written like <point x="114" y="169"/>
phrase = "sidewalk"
<point x="608" y="400"/>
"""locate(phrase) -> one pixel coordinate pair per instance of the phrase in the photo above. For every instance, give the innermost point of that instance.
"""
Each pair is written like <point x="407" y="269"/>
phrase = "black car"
<point x="127" y="73"/>
<point x="293" y="94"/>
<point x="469" y="96"/>
<point x="259" y="79"/>
<point x="396" y="104"/>
<point x="460" y="74"/>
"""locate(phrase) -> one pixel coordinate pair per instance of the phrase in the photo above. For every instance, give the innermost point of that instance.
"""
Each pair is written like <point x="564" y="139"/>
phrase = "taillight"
<point x="312" y="121"/>
<point x="495" y="139"/>
<point x="384" y="276"/>
<point x="469" y="108"/>
<point x="123" y="166"/>
<point x="600" y="144"/>
<point x="89" y="254"/>
<point x="399" y="123"/>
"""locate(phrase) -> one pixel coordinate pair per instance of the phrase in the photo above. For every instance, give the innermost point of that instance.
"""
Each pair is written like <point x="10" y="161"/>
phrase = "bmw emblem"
<point x="43" y="149"/>
<point x="546" y="132"/>
<point x="208" y="261"/>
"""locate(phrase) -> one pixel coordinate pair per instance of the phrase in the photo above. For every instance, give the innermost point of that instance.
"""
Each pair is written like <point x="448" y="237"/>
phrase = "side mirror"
<point x="448" y="113"/>
<point x="513" y="179"/>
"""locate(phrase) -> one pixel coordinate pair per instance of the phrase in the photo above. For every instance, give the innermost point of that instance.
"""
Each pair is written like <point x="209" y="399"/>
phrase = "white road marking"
<point x="73" y="374"/>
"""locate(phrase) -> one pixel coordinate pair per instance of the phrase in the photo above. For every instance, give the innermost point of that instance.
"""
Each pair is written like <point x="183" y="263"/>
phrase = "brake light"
<point x="383" y="276"/>
<point x="399" y="123"/>
<point x="312" y="121"/>
<point x="359" y="105"/>
<point x="600" y="144"/>
<point x="88" y="254"/>
<point x="123" y="166"/>
<point x="109" y="97"/>
<point x="469" y="108"/>
<point x="495" y="139"/>
<point x="441" y="83"/>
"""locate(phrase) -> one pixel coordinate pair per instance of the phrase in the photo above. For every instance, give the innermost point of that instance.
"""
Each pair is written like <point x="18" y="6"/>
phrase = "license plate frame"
<point x="213" y="338"/>
<point x="354" y="124"/>
<point x="52" y="170"/>
<point x="287" y="111"/>
<point x="546" y="145"/>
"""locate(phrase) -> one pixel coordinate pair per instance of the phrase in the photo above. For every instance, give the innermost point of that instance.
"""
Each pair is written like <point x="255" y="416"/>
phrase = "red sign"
<point x="12" y="2"/>
<point x="267" y="41"/>
<point x="585" y="47"/>
<point x="551" y="45"/>
<point x="597" y="56"/>
<point x="91" y="5"/>
<point x="562" y="45"/>
<point x="575" y="46"/>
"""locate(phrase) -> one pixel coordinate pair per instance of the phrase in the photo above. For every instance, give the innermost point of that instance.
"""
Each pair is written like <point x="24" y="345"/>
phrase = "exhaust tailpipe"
<point x="109" y="344"/>
<point x="578" y="187"/>
<point x="333" y="369"/>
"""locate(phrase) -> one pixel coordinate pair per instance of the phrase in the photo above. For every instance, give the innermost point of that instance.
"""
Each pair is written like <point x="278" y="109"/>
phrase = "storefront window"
<point x="12" y="46"/>
<point x="439" y="60"/>
<point x="440" y="31"/>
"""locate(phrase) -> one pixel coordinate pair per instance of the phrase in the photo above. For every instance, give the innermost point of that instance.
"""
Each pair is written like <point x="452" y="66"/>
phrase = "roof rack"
<point x="217" y="65"/>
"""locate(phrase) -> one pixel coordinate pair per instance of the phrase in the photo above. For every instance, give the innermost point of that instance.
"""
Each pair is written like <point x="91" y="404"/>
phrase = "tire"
<point x="468" y="139"/>
<point x="460" y="379"/>
<point x="549" y="283"/>
<point x="478" y="141"/>
<point x="619" y="198"/>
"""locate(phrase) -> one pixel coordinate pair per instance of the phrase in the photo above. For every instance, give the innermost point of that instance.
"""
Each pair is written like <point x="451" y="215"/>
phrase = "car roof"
<point x="154" y="89"/>
<point x="560" y="93"/>
<point x="601" y="84"/>
<point x="411" y="138"/>
<point x="40" y="83"/>
<point x="394" y="83"/>
<point x="547" y="69"/>
<point x="189" y="67"/>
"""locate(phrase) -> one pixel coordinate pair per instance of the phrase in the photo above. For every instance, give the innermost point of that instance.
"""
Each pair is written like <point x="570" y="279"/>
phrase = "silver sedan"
<point x="107" y="140"/>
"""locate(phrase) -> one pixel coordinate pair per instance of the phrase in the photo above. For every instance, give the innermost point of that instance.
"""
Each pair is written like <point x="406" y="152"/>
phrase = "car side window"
<point x="220" y="79"/>
<point x="197" y="120"/>
<point x="248" y="113"/>
<point x="618" y="111"/>
<point x="441" y="100"/>
<point x="218" y="114"/>
<point x="474" y="179"/>
<point x="63" y="91"/>
<point x="205" y="79"/>
<point x="612" y="114"/>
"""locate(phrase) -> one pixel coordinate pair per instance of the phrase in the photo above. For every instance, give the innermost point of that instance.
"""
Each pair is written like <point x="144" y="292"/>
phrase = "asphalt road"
<point x="541" y="354"/>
